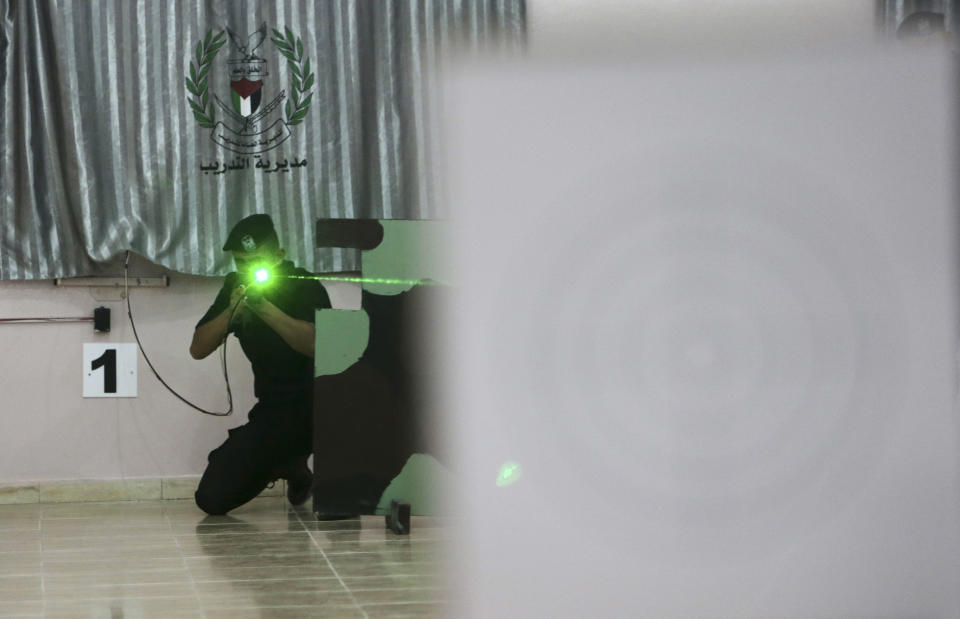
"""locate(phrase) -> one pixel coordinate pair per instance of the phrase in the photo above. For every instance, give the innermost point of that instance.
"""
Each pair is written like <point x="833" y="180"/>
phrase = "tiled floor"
<point x="166" y="559"/>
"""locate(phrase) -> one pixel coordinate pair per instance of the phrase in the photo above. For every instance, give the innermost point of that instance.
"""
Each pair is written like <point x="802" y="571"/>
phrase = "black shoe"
<point x="299" y="481"/>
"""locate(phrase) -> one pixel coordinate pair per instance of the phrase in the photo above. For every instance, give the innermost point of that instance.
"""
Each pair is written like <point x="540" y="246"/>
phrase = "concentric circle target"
<point x="713" y="352"/>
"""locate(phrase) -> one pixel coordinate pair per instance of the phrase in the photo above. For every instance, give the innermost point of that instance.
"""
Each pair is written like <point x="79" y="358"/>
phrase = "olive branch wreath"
<point x="301" y="76"/>
<point x="197" y="80"/>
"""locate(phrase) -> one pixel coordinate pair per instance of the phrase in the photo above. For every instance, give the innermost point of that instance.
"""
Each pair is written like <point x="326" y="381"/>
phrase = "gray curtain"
<point x="154" y="126"/>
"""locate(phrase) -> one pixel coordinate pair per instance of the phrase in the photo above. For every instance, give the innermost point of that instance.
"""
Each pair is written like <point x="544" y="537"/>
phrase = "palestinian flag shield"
<point x="246" y="96"/>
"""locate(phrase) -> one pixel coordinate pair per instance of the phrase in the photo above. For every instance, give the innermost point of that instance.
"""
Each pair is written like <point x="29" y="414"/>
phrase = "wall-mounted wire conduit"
<point x="100" y="319"/>
<point x="44" y="319"/>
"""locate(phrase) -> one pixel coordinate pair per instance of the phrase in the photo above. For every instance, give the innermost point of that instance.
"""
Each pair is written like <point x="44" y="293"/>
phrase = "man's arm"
<point x="298" y="334"/>
<point x="208" y="336"/>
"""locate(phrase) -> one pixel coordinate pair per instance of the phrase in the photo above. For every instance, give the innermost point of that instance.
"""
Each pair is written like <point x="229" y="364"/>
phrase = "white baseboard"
<point x="85" y="491"/>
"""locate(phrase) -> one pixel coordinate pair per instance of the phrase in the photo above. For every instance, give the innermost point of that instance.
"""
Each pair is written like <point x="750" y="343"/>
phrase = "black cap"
<point x="251" y="233"/>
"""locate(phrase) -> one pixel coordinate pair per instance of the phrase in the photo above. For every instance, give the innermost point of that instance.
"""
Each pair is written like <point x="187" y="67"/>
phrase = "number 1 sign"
<point x="109" y="370"/>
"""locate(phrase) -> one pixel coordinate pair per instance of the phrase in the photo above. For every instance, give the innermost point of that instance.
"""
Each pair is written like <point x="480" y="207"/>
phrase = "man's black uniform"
<point x="279" y="430"/>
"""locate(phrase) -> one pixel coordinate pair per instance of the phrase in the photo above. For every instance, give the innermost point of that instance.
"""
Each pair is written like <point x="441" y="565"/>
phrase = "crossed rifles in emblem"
<point x="254" y="41"/>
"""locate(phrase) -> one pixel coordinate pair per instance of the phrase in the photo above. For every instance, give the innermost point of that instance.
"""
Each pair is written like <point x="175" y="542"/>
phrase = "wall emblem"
<point x="248" y="125"/>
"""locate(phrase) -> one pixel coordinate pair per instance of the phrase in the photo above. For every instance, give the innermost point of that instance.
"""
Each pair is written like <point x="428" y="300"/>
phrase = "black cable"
<point x="223" y="356"/>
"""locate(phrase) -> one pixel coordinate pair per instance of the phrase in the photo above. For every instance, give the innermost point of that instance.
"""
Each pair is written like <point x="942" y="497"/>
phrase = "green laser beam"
<point x="370" y="280"/>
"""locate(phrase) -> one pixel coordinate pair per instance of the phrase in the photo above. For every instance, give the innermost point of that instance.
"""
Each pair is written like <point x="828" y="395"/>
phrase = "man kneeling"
<point x="273" y="319"/>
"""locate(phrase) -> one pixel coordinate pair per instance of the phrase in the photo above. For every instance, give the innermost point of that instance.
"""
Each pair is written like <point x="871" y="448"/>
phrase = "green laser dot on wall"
<point x="509" y="473"/>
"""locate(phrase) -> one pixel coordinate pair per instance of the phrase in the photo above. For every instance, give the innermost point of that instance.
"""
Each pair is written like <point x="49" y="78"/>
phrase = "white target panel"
<point x="109" y="370"/>
<point x="710" y="308"/>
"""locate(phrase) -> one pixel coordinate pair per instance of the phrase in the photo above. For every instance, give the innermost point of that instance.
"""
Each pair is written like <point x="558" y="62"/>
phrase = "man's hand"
<point x="208" y="337"/>
<point x="254" y="297"/>
<point x="236" y="297"/>
<point x="298" y="334"/>
<point x="237" y="294"/>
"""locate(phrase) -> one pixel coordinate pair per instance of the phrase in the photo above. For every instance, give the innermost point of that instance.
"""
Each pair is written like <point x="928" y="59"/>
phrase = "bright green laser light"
<point x="261" y="275"/>
<point x="509" y="473"/>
